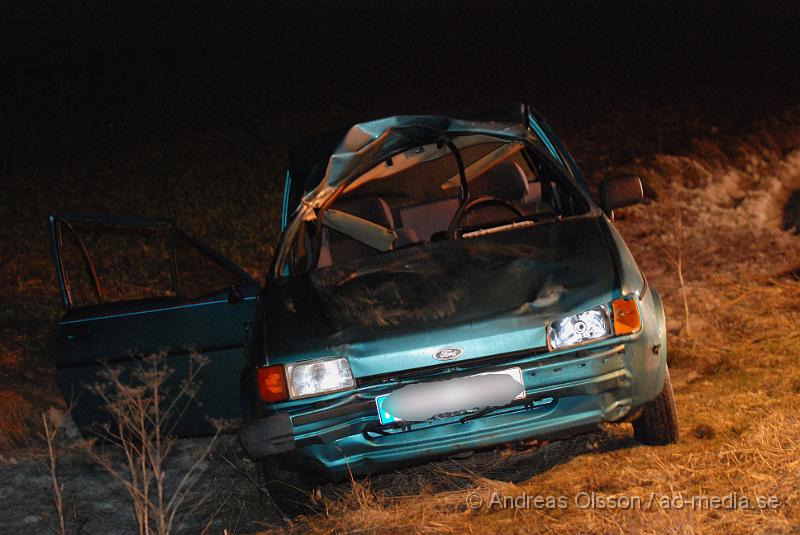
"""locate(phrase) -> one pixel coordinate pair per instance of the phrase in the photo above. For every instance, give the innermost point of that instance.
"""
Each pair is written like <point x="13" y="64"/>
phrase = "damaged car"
<point x="446" y="284"/>
<point x="441" y="285"/>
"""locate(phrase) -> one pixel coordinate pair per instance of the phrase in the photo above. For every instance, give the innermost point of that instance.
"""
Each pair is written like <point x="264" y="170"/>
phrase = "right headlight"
<point x="619" y="317"/>
<point x="585" y="327"/>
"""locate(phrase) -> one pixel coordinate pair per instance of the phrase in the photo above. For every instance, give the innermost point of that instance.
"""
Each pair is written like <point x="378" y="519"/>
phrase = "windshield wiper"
<point x="527" y="221"/>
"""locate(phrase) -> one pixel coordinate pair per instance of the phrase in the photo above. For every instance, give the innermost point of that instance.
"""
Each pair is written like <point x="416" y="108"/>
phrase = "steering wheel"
<point x="452" y="228"/>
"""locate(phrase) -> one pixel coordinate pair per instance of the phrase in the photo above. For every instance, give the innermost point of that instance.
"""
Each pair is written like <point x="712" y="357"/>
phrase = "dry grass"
<point x="15" y="413"/>
<point x="21" y="407"/>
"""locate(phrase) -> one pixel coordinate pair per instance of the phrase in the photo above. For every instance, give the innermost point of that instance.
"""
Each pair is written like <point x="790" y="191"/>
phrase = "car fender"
<point x="650" y="351"/>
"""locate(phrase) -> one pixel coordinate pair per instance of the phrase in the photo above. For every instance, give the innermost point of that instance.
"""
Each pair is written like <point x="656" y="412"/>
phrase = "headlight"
<point x="591" y="325"/>
<point x="316" y="377"/>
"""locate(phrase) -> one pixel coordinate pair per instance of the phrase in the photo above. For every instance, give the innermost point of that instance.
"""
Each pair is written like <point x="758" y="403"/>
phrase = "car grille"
<point x="449" y="368"/>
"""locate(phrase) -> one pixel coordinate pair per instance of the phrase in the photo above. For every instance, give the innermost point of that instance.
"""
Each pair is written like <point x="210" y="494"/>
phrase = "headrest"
<point x="505" y="181"/>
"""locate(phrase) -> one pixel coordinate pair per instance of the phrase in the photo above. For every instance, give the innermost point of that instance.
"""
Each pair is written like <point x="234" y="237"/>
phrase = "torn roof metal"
<point x="327" y="161"/>
<point x="321" y="165"/>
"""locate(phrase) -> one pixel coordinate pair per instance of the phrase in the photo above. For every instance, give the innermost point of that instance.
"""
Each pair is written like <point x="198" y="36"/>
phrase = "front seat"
<point x="337" y="247"/>
<point x="505" y="181"/>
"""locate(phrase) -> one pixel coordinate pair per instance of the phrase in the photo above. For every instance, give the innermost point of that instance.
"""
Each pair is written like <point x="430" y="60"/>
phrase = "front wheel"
<point x="658" y="424"/>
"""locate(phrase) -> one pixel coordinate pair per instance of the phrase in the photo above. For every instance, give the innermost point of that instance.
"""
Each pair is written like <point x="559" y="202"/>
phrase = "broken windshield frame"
<point x="536" y="158"/>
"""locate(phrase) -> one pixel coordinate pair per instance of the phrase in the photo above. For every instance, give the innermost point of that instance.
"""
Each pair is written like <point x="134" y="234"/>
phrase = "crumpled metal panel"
<point x="367" y="143"/>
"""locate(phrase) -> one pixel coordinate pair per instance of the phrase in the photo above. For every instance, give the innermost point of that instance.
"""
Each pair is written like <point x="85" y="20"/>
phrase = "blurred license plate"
<point x="387" y="418"/>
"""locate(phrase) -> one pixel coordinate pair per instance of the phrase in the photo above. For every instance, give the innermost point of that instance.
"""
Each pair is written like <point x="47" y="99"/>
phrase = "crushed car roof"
<point x="327" y="160"/>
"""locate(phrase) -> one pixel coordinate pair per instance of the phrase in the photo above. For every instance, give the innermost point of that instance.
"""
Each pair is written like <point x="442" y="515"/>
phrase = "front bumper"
<point x="566" y="393"/>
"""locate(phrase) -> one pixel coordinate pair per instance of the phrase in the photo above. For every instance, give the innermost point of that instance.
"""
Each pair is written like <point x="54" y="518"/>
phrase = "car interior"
<point x="417" y="203"/>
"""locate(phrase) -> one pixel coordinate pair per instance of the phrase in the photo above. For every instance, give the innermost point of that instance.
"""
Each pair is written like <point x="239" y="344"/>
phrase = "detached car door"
<point x="135" y="286"/>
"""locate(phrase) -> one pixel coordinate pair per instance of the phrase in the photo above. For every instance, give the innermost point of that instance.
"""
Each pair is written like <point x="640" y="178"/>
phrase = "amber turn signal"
<point x="626" y="316"/>
<point x="272" y="383"/>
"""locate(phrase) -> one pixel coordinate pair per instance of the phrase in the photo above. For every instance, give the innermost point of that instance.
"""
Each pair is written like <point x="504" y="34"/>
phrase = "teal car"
<point x="443" y="285"/>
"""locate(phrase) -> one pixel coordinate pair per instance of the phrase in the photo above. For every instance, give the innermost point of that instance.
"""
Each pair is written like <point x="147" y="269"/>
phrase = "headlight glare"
<point x="315" y="377"/>
<point x="585" y="327"/>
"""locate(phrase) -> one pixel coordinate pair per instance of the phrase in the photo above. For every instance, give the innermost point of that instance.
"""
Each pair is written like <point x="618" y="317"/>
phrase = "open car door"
<point x="137" y="286"/>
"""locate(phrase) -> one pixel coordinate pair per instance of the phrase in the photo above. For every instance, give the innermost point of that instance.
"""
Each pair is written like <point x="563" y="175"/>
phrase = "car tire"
<point x="291" y="491"/>
<point x="658" y="423"/>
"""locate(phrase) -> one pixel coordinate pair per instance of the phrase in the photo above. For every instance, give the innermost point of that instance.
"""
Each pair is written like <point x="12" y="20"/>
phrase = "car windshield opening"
<point x="415" y="197"/>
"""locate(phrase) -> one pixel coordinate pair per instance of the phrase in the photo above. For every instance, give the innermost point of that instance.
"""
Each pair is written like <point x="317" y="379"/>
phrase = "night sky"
<point x="181" y="96"/>
<point x="150" y="66"/>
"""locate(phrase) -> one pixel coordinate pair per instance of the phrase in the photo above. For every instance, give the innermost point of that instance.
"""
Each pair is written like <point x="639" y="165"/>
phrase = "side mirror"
<point x="619" y="192"/>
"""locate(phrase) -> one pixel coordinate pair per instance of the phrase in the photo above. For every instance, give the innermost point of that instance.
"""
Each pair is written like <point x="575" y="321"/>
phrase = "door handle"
<point x="79" y="332"/>
<point x="235" y="295"/>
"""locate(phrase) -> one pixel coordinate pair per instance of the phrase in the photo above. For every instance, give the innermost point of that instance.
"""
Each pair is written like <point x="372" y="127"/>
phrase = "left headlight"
<point x="585" y="327"/>
<point x="315" y="377"/>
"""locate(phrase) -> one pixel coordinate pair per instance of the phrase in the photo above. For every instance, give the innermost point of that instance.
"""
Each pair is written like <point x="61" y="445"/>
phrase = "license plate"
<point x="387" y="418"/>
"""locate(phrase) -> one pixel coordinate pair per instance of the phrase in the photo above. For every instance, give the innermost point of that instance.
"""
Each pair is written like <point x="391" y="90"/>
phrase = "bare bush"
<point x="144" y="413"/>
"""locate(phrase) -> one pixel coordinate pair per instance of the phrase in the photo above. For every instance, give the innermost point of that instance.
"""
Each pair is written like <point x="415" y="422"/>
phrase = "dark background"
<point x="187" y="109"/>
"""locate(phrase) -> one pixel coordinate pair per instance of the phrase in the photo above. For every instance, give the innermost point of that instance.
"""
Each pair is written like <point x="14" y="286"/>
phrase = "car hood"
<point x="482" y="296"/>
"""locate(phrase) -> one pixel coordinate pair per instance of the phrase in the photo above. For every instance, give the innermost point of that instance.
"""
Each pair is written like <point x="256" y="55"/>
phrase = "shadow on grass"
<point x="513" y="463"/>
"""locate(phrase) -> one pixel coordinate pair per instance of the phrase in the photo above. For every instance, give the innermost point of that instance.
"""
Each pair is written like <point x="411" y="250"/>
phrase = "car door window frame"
<point x="59" y="222"/>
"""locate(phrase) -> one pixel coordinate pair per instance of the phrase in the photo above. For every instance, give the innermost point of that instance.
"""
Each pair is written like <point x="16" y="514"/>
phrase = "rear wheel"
<point x="291" y="491"/>
<point x="658" y="423"/>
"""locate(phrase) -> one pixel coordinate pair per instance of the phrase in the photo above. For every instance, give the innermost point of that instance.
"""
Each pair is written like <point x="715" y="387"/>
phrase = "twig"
<point x="50" y="436"/>
<point x="678" y="265"/>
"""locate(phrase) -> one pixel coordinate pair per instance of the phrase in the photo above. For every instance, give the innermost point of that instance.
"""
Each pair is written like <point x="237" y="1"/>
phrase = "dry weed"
<point x="144" y="413"/>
